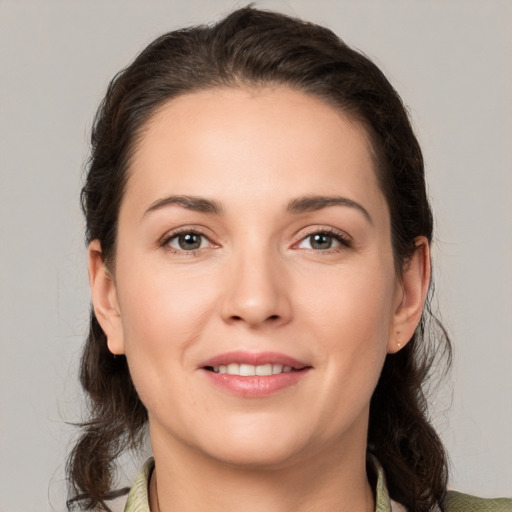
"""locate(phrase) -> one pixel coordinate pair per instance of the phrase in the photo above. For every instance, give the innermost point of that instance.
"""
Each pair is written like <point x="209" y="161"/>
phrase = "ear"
<point x="104" y="299"/>
<point x="414" y="283"/>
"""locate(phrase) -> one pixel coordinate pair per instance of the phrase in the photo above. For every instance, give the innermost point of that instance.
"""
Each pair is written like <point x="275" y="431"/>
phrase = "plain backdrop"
<point x="452" y="63"/>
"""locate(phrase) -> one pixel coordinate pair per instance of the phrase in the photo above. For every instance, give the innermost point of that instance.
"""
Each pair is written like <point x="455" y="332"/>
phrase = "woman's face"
<point x="255" y="295"/>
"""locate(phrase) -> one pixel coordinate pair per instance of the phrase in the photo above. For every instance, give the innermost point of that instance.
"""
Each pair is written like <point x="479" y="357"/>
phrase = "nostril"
<point x="238" y="318"/>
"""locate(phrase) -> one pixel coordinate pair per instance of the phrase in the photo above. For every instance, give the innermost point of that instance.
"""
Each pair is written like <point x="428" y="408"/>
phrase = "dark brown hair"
<point x="259" y="48"/>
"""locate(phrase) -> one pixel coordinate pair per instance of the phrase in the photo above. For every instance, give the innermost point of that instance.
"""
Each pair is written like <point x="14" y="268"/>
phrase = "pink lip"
<point x="254" y="386"/>
<point x="256" y="359"/>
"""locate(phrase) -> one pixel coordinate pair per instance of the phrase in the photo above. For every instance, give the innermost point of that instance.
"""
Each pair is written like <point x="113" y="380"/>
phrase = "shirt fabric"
<point x="138" y="498"/>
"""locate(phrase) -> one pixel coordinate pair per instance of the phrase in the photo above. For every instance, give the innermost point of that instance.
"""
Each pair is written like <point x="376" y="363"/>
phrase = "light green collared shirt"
<point x="138" y="498"/>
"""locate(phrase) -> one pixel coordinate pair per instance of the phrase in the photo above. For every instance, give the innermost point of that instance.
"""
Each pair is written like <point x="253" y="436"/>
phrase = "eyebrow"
<point x="314" y="203"/>
<point x="197" y="204"/>
<point x="296" y="206"/>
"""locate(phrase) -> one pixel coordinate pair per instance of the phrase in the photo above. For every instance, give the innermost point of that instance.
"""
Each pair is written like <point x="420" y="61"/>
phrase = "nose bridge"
<point x="256" y="292"/>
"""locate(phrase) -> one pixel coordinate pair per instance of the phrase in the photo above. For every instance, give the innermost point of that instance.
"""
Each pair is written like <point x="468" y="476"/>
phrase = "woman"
<point x="259" y="235"/>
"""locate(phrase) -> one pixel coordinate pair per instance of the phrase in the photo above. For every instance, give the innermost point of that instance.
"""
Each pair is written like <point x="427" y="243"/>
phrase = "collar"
<point x="138" y="498"/>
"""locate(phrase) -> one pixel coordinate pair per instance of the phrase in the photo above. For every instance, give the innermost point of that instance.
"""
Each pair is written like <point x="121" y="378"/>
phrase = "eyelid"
<point x="343" y="237"/>
<point x="182" y="230"/>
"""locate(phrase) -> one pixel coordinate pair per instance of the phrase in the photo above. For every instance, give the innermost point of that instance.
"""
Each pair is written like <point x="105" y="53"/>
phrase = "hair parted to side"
<point x="258" y="48"/>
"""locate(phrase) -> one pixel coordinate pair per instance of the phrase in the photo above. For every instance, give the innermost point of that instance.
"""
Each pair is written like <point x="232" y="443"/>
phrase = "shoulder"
<point x="459" y="502"/>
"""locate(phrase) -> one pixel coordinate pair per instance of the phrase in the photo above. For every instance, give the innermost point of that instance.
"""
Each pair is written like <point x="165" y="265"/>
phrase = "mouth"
<point x="254" y="374"/>
<point x="250" y="364"/>
<point x="250" y="370"/>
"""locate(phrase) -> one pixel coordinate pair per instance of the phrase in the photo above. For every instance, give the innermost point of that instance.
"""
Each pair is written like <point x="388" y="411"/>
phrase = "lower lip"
<point x="257" y="386"/>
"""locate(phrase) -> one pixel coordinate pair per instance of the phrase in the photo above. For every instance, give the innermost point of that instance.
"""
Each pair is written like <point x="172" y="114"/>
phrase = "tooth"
<point x="233" y="369"/>
<point x="264" y="369"/>
<point x="277" y="368"/>
<point x="247" y="370"/>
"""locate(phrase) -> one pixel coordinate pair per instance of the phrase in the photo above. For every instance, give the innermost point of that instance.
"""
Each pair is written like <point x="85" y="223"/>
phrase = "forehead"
<point x="273" y="141"/>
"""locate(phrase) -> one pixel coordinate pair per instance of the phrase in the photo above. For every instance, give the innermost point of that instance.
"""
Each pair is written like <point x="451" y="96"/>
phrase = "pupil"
<point x="190" y="241"/>
<point x="320" y="241"/>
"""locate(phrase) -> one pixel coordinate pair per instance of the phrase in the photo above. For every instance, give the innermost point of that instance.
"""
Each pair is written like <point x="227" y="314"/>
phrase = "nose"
<point x="257" y="292"/>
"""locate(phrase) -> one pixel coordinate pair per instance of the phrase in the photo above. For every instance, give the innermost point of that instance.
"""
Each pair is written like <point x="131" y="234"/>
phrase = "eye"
<point x="323" y="241"/>
<point x="187" y="241"/>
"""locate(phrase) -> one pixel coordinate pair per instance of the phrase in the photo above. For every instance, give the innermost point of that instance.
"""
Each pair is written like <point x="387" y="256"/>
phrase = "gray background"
<point x="450" y="61"/>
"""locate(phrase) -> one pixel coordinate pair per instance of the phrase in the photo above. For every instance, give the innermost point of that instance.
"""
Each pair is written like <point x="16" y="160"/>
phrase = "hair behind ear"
<point x="116" y="423"/>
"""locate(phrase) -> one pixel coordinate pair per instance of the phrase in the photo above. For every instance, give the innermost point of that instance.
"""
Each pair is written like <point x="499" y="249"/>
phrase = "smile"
<point x="249" y="370"/>
<point x="254" y="375"/>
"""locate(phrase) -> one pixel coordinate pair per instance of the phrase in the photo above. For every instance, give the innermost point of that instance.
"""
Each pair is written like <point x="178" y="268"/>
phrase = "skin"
<point x="257" y="284"/>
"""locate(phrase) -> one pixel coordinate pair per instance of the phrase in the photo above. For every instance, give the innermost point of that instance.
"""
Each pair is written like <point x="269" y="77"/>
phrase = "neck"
<point x="188" y="481"/>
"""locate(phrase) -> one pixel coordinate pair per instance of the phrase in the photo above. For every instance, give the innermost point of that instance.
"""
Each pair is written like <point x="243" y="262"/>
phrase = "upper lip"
<point x="253" y="358"/>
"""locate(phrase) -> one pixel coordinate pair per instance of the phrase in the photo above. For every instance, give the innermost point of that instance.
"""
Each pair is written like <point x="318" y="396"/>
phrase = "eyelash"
<point x="344" y="241"/>
<point x="182" y="252"/>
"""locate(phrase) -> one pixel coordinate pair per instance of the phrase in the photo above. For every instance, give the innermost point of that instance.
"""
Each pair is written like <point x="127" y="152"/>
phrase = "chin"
<point x="254" y="456"/>
<point x="262" y="447"/>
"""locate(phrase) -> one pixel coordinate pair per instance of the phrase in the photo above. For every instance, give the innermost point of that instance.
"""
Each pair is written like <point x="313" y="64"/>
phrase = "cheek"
<point x="163" y="314"/>
<point x="163" y="318"/>
<point x="351" y="315"/>
<point x="162" y="310"/>
<point x="356" y="300"/>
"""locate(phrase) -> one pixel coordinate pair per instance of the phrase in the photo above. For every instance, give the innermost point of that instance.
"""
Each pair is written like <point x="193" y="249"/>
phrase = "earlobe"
<point x="414" y="284"/>
<point x="104" y="299"/>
